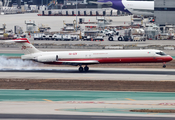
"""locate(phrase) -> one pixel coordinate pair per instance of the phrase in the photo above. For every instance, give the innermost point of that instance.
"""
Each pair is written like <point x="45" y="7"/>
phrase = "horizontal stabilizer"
<point x="16" y="41"/>
<point x="20" y="40"/>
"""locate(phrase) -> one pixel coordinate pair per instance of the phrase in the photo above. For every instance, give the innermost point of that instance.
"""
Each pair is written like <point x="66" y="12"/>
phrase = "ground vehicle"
<point x="92" y="35"/>
<point x="42" y="36"/>
<point x="87" y="38"/>
<point x="57" y="37"/>
<point x="128" y="35"/>
<point x="108" y="32"/>
<point x="38" y="36"/>
<point x="48" y="37"/>
<point x="66" y="37"/>
<point x="118" y="36"/>
<point x="98" y="38"/>
<point x="74" y="37"/>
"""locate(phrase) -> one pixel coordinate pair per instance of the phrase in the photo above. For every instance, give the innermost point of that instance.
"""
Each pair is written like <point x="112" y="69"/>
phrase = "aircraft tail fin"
<point x="25" y="45"/>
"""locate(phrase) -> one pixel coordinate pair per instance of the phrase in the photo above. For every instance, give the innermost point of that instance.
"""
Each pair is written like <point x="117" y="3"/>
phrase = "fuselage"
<point x="102" y="56"/>
<point x="79" y="58"/>
<point x="137" y="7"/>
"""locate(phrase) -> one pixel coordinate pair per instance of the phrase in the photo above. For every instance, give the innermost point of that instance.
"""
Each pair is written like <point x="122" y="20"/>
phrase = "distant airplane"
<point x="80" y="58"/>
<point x="136" y="7"/>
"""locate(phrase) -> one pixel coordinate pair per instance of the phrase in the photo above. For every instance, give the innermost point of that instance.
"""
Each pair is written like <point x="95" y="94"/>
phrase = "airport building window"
<point x="164" y="9"/>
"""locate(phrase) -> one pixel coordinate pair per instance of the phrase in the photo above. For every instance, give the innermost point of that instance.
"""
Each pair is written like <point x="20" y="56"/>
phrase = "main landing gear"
<point x="86" y="68"/>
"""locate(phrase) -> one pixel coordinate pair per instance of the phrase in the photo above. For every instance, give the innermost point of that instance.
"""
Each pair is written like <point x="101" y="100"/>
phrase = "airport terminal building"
<point x="36" y="2"/>
<point x="164" y="11"/>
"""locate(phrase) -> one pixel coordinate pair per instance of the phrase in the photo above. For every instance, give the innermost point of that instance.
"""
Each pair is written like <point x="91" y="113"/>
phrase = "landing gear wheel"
<point x="86" y="68"/>
<point x="164" y="66"/>
<point x="80" y="69"/>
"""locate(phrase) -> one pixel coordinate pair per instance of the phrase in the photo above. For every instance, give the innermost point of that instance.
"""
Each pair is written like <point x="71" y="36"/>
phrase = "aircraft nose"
<point x="169" y="58"/>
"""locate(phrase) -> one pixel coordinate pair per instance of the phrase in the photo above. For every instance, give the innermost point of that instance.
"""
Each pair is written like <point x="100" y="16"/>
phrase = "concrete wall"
<point x="164" y="12"/>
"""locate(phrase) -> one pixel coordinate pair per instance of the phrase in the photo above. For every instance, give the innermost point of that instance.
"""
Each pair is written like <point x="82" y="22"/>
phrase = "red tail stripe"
<point x="22" y="39"/>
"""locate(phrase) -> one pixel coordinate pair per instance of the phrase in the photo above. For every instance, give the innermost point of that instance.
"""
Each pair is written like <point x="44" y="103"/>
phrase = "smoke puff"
<point x="15" y="63"/>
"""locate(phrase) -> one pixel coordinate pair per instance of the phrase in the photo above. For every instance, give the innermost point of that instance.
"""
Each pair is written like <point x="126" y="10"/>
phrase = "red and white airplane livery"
<point x="79" y="58"/>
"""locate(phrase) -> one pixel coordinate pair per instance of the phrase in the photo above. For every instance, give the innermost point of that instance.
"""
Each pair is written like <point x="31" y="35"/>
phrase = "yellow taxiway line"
<point x="129" y="99"/>
<point x="48" y="100"/>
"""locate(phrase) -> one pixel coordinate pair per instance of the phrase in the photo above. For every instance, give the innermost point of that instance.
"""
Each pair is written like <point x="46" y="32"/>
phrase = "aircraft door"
<point x="88" y="55"/>
<point x="56" y="57"/>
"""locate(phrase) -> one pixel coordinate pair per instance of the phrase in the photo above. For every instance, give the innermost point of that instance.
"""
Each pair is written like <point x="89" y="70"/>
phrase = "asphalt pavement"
<point x="137" y="74"/>
<point x="75" y="117"/>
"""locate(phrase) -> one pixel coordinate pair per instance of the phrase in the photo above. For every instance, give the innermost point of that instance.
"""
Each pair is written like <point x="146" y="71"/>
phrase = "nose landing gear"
<point x="86" y="68"/>
<point x="164" y="65"/>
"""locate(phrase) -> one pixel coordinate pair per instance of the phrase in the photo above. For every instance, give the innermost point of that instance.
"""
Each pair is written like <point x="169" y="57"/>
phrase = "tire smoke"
<point x="15" y="63"/>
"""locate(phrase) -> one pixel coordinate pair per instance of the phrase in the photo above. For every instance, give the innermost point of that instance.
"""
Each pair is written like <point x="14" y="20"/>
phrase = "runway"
<point x="137" y="74"/>
<point x="54" y="104"/>
<point x="49" y="107"/>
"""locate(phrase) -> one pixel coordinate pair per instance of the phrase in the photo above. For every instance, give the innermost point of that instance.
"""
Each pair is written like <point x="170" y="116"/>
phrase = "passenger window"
<point x="56" y="57"/>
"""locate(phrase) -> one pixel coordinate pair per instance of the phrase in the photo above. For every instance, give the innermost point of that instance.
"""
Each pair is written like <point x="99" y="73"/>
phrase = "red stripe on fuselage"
<point x="121" y="60"/>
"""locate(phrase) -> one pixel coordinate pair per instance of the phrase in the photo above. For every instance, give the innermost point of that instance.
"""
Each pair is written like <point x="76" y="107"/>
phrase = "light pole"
<point x="76" y="15"/>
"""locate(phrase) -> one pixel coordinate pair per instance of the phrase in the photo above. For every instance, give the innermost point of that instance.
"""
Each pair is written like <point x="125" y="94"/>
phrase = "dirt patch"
<point x="104" y="85"/>
<point x="153" y="111"/>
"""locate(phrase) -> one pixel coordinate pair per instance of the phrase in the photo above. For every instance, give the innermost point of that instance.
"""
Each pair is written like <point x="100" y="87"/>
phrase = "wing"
<point x="75" y="63"/>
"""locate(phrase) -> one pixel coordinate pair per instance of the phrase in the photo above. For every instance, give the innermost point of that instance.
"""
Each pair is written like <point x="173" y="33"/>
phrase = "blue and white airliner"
<point x="136" y="7"/>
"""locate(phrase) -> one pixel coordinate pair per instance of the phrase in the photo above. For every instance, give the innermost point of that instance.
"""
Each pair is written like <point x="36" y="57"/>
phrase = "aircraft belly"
<point x="139" y="8"/>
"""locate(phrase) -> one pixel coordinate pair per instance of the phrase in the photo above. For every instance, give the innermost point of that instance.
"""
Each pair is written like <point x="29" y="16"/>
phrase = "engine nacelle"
<point x="47" y="58"/>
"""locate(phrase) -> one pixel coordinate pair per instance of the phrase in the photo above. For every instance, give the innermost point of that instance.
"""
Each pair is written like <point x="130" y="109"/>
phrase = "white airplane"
<point x="79" y="58"/>
<point x="136" y="7"/>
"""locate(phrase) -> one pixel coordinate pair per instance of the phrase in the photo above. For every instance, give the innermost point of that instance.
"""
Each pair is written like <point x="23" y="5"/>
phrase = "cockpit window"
<point x="160" y="53"/>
